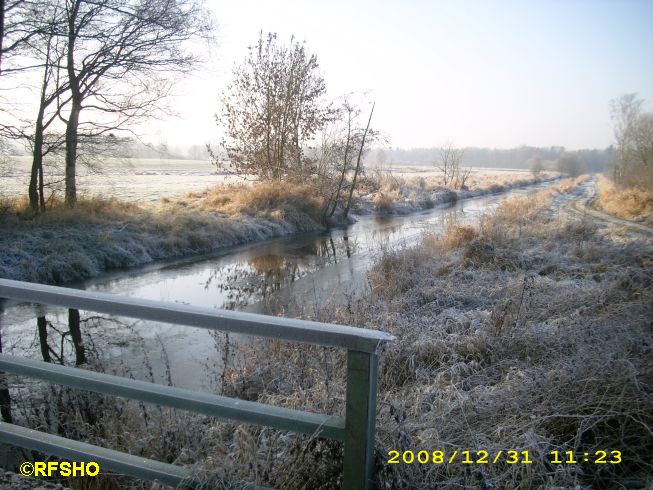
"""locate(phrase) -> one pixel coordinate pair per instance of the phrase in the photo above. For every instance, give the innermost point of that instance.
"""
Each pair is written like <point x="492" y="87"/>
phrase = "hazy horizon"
<point x="479" y="74"/>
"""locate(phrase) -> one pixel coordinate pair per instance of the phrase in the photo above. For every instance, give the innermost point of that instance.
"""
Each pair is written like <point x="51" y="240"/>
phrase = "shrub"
<point x="455" y="236"/>
<point x="263" y="199"/>
<point x="458" y="235"/>
<point x="625" y="202"/>
<point x="383" y="201"/>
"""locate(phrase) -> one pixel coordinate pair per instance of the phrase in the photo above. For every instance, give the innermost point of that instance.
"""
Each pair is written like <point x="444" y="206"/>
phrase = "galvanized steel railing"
<point x="356" y="429"/>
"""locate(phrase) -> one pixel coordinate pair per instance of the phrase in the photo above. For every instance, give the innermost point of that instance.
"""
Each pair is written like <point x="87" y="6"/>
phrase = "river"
<point x="291" y="276"/>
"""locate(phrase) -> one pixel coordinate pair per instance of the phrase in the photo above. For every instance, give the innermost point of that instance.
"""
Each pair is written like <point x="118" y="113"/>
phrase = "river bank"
<point x="67" y="245"/>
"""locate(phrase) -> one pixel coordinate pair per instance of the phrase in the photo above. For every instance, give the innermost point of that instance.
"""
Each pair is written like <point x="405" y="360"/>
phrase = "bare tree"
<point x="624" y="111"/>
<point x="536" y="166"/>
<point x="52" y="89"/>
<point x="33" y="34"/>
<point x="460" y="177"/>
<point x="351" y="112"/>
<point x="643" y="139"/>
<point x="570" y="164"/>
<point x="120" y="55"/>
<point x="633" y="131"/>
<point x="105" y="64"/>
<point x="273" y="106"/>
<point x="449" y="163"/>
<point x="338" y="156"/>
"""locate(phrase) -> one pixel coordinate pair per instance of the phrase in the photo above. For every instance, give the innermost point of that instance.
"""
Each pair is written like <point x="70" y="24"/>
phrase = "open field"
<point x="479" y="177"/>
<point x="149" y="180"/>
<point x="135" y="180"/>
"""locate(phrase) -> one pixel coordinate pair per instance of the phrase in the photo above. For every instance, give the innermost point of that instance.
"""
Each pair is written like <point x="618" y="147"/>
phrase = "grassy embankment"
<point x="66" y="245"/>
<point x="402" y="193"/>
<point x="100" y="234"/>
<point x="530" y="331"/>
<point x="625" y="202"/>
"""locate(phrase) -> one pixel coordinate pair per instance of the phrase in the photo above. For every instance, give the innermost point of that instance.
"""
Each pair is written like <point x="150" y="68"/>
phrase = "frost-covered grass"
<point x="529" y="331"/>
<point x="268" y="200"/>
<point x="397" y="192"/>
<point x="625" y="202"/>
<point x="65" y="244"/>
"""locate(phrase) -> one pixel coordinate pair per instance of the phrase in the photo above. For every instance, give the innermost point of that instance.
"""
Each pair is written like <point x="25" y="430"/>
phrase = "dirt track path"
<point x="583" y="205"/>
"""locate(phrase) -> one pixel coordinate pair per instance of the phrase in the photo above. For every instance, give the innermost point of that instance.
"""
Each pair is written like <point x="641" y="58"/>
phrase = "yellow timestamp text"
<point x="595" y="457"/>
<point x="511" y="456"/>
<point x="458" y="456"/>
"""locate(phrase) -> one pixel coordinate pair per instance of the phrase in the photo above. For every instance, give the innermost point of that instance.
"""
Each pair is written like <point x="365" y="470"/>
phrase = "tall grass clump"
<point x="625" y="202"/>
<point x="383" y="201"/>
<point x="267" y="198"/>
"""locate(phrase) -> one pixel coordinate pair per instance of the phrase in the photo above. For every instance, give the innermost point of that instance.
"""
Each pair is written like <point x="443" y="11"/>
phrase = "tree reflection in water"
<point x="260" y="278"/>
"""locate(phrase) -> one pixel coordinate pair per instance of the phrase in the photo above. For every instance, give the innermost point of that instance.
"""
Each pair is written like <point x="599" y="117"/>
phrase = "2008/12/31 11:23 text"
<point x="510" y="457"/>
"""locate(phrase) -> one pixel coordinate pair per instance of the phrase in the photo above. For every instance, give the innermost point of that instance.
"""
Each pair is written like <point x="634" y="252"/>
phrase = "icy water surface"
<point x="291" y="276"/>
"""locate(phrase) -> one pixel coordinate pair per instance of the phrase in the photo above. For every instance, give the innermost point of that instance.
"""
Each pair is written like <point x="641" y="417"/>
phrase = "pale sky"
<point x="477" y="73"/>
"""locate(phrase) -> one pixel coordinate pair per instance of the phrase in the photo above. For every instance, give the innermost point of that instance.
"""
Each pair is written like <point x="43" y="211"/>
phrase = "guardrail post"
<point x="360" y="420"/>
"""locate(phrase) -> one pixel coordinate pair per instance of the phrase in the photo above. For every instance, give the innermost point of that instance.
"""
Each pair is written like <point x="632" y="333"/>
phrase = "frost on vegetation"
<point x="66" y="245"/>
<point x="518" y="333"/>
<point x="390" y="194"/>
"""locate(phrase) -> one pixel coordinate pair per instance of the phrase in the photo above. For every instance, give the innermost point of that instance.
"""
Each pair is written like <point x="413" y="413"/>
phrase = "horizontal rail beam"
<point x="326" y="334"/>
<point x="331" y="427"/>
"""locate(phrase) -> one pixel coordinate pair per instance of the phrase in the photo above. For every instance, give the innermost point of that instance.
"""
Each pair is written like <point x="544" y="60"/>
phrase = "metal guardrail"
<point x="356" y="429"/>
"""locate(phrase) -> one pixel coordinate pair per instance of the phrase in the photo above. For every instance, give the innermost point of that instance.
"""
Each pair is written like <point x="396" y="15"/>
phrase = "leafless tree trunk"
<point x="49" y="94"/>
<point x="345" y="161"/>
<point x="2" y="29"/>
<point x="72" y="123"/>
<point x="71" y="153"/>
<point x="358" y="163"/>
